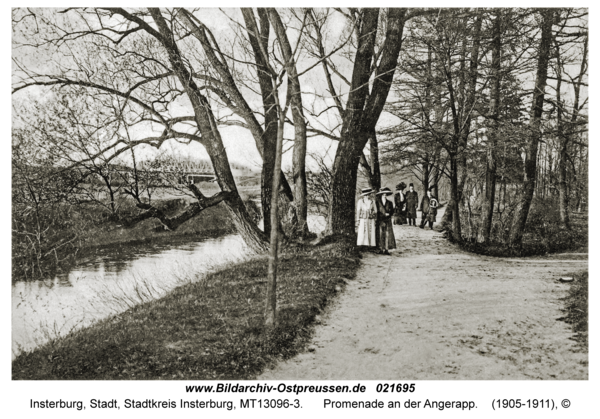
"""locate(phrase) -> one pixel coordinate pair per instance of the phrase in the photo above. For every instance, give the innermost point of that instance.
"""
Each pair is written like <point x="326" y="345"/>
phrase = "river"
<point x="110" y="283"/>
<point x="113" y="281"/>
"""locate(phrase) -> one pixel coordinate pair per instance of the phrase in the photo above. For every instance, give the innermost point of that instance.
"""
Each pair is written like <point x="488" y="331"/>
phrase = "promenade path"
<point x="432" y="311"/>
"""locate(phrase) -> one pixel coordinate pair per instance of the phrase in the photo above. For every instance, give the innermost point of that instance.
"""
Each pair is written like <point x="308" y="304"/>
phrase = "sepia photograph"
<point x="258" y="195"/>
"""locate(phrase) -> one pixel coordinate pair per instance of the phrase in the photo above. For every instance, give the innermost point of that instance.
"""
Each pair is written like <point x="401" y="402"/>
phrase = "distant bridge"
<point x="185" y="172"/>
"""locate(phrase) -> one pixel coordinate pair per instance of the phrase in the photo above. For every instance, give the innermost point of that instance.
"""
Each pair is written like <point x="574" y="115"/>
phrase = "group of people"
<point x="377" y="214"/>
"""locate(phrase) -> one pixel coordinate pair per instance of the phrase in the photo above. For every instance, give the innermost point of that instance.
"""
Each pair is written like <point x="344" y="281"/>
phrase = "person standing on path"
<point x="428" y="210"/>
<point x="367" y="213"/>
<point x="400" y="201"/>
<point x="385" y="209"/>
<point x="412" y="200"/>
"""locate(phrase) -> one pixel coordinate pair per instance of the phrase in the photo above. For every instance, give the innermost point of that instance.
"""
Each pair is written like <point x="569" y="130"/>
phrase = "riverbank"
<point x="212" y="222"/>
<point x="209" y="329"/>
<point x="95" y="235"/>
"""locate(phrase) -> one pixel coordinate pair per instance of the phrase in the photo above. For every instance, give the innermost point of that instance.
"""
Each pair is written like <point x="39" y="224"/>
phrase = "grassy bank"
<point x="210" y="329"/>
<point x="576" y="308"/>
<point x="89" y="230"/>
<point x="211" y="222"/>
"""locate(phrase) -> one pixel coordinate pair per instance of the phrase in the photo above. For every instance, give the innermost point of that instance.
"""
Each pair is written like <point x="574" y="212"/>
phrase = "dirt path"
<point x="433" y="311"/>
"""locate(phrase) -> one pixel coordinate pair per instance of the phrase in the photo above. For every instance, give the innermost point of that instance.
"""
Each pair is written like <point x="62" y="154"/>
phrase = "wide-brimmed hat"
<point x="433" y="203"/>
<point x="385" y="191"/>
<point x="412" y="185"/>
<point x="366" y="191"/>
<point x="400" y="186"/>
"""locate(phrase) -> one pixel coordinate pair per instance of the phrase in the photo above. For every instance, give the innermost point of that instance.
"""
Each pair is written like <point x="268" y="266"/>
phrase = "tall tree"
<point x="259" y="41"/>
<point x="487" y="209"/>
<point x="531" y="148"/>
<point x="567" y="126"/>
<point x="363" y="109"/>
<point x="299" y="156"/>
<point x="271" y="307"/>
<point x="292" y="96"/>
<point x="461" y="101"/>
<point x="206" y="123"/>
<point x="229" y="92"/>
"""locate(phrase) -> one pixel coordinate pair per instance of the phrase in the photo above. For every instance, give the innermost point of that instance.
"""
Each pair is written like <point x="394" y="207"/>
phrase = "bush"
<point x="45" y="238"/>
<point x="576" y="308"/>
<point x="543" y="233"/>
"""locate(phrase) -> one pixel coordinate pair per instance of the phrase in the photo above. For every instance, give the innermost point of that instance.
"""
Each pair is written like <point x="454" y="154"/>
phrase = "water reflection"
<point x="110" y="283"/>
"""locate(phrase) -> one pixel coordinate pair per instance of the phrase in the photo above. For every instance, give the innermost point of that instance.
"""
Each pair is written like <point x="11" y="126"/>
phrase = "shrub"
<point x="543" y="233"/>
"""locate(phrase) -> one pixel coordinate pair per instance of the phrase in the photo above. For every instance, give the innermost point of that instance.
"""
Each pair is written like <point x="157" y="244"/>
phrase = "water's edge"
<point x="110" y="282"/>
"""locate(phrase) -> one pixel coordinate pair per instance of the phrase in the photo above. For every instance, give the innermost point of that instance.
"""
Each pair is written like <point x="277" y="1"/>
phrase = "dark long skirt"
<point x="387" y="240"/>
<point x="411" y="212"/>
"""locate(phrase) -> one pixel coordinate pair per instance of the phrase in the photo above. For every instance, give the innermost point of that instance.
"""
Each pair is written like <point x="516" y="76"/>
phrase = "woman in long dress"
<point x="367" y="213"/>
<point x="385" y="209"/>
<point x="400" y="207"/>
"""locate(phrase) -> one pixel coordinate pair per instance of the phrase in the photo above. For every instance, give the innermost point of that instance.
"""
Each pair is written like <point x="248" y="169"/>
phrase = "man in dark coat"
<point x="428" y="209"/>
<point x="400" y="201"/>
<point x="385" y="209"/>
<point x="412" y="200"/>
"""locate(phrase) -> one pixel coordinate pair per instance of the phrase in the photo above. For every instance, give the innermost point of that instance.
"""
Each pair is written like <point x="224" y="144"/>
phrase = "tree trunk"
<point x="563" y="194"/>
<point x="269" y="137"/>
<point x="572" y="126"/>
<point x="353" y="138"/>
<point x="487" y="209"/>
<point x="271" y="307"/>
<point x="362" y="113"/>
<point x="452" y="214"/>
<point x="343" y="186"/>
<point x="435" y="189"/>
<point x="425" y="177"/>
<point x="468" y="105"/>
<point x="461" y="119"/>
<point x="454" y="199"/>
<point x="375" y="174"/>
<point x="531" y="149"/>
<point x="211" y="139"/>
<point x="375" y="168"/>
<point x="299" y="156"/>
